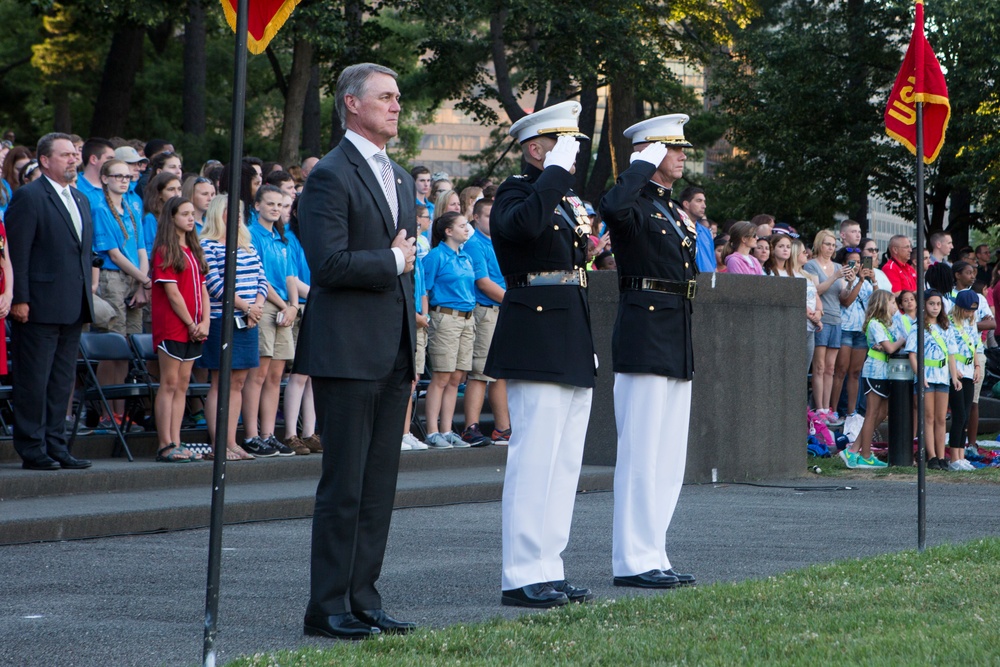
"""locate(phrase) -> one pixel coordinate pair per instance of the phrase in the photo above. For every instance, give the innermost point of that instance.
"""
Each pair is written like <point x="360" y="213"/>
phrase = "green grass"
<point x="939" y="607"/>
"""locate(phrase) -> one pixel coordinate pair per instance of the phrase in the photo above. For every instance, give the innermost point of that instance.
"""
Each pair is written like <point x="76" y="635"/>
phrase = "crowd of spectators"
<point x="149" y="268"/>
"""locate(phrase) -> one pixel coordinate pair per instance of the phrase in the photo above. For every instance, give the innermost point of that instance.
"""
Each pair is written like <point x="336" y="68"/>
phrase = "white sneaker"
<point x="959" y="466"/>
<point x="968" y="465"/>
<point x="438" y="441"/>
<point x="405" y="446"/>
<point x="413" y="442"/>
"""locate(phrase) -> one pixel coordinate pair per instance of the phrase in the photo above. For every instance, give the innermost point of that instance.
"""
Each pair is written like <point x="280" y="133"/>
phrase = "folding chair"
<point x="97" y="347"/>
<point x="144" y="351"/>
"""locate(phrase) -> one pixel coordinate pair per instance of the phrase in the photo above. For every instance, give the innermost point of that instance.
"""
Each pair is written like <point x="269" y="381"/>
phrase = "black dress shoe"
<point x="537" y="596"/>
<point x="40" y="464"/>
<point x="384" y="622"/>
<point x="574" y="593"/>
<point x="684" y="579"/>
<point x="69" y="462"/>
<point x="338" y="626"/>
<point x="651" y="579"/>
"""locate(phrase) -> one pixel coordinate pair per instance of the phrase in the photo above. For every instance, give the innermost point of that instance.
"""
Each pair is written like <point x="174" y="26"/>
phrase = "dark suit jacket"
<point x="653" y="330"/>
<point x="358" y="306"/>
<point x="52" y="267"/>
<point x="542" y="333"/>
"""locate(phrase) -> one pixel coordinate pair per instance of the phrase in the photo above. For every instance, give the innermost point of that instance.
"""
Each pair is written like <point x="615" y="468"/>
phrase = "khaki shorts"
<point x="275" y="342"/>
<point x="421" y="355"/>
<point x="450" y="341"/>
<point x="486" y="322"/>
<point x="981" y="362"/>
<point x="117" y="288"/>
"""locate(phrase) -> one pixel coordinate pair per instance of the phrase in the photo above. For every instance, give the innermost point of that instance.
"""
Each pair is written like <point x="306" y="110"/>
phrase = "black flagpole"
<point x="921" y="442"/>
<point x="226" y="361"/>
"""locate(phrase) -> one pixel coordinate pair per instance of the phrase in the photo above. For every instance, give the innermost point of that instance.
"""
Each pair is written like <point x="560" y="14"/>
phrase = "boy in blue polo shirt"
<point x="490" y="288"/>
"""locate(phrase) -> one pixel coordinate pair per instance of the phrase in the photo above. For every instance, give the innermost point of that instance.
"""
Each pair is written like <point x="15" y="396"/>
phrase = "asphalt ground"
<point x="140" y="600"/>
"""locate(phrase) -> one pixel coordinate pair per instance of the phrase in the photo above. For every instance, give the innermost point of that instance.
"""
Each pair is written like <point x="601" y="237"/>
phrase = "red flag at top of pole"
<point x="265" y="20"/>
<point x="919" y="80"/>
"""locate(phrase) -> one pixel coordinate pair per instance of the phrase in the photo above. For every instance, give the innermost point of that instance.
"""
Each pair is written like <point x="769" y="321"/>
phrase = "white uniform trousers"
<point x="548" y="429"/>
<point x="652" y="414"/>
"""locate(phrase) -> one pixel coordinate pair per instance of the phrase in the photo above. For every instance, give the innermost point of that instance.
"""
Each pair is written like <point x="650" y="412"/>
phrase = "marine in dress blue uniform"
<point x="543" y="347"/>
<point x="655" y="247"/>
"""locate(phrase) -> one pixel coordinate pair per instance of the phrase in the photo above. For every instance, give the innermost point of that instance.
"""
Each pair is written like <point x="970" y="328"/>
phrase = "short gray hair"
<point x="44" y="146"/>
<point x="353" y="81"/>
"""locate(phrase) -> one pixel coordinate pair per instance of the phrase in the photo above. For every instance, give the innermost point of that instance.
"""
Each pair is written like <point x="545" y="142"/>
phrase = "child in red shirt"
<point x="180" y="320"/>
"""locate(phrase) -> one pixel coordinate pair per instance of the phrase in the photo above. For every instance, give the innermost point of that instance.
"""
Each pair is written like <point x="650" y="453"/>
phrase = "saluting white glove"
<point x="653" y="154"/>
<point x="563" y="154"/>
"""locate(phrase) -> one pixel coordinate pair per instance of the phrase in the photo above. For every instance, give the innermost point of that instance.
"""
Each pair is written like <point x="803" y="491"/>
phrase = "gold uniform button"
<point x="556" y="227"/>
<point x="686" y="265"/>
<point x="538" y="308"/>
<point x="652" y="308"/>
<point x="575" y="244"/>
<point x="663" y="231"/>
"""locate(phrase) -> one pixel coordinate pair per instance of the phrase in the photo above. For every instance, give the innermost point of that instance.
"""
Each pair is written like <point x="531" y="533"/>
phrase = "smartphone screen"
<point x="866" y="263"/>
<point x="852" y="264"/>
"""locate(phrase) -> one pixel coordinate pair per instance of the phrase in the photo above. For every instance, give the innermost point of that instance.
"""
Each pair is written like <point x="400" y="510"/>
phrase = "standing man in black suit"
<point x="50" y="236"/>
<point x="654" y="243"/>
<point x="357" y="342"/>
<point x="543" y="347"/>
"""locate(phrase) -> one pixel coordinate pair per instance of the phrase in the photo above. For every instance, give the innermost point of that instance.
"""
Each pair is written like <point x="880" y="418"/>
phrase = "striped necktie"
<point x="388" y="187"/>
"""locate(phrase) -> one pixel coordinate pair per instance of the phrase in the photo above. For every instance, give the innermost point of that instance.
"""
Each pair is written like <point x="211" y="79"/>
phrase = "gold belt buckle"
<point x="692" y="289"/>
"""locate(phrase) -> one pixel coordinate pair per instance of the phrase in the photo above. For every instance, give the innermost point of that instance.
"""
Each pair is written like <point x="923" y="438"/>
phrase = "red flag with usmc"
<point x="265" y="20"/>
<point x="919" y="80"/>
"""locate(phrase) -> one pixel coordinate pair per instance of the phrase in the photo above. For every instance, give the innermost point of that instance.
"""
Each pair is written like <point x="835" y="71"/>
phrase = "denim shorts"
<point x="939" y="388"/>
<point x="853" y="339"/>
<point x="828" y="336"/>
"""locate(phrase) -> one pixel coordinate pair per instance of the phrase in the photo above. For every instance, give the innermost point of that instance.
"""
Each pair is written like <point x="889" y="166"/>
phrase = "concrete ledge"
<point x="54" y="518"/>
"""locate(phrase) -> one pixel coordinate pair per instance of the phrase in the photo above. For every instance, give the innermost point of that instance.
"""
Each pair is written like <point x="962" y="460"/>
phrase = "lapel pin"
<point x="399" y="181"/>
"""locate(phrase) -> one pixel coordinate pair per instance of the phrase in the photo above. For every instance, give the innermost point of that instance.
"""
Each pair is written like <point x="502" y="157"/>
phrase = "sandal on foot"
<point x="194" y="454"/>
<point x="242" y="454"/>
<point x="174" y="455"/>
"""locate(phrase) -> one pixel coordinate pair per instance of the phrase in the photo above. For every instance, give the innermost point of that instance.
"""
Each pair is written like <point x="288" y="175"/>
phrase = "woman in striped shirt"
<point x="251" y="291"/>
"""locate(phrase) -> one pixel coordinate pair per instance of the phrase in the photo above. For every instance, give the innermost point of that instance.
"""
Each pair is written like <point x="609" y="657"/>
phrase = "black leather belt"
<point x="452" y="311"/>
<point x="576" y="277"/>
<point x="686" y="289"/>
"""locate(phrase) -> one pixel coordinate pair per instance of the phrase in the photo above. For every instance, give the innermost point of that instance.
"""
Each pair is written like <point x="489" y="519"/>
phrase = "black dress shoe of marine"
<point x="574" y="593"/>
<point x="69" y="462"/>
<point x="651" y="579"/>
<point x="338" y="626"/>
<point x="684" y="579"/>
<point x="385" y="622"/>
<point x="40" y="464"/>
<point x="537" y="596"/>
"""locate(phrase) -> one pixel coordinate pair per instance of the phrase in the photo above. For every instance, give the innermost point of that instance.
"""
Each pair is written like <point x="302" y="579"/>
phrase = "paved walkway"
<point x="140" y="600"/>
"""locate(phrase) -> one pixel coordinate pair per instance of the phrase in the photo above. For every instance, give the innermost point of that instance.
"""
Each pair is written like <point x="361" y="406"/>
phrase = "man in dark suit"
<point x="50" y="237"/>
<point x="357" y="342"/>
<point x="654" y="243"/>
<point x="543" y="347"/>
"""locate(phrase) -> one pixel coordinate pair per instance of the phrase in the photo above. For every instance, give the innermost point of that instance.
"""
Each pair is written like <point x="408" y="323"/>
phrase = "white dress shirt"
<point x="368" y="151"/>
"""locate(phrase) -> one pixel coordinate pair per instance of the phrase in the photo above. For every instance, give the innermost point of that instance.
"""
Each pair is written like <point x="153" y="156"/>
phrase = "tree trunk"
<point x="120" y="68"/>
<point x="588" y="120"/>
<point x="298" y="85"/>
<point x="194" y="70"/>
<point x="311" y="140"/>
<point x="621" y="113"/>
<point x="505" y="89"/>
<point x="354" y="13"/>
<point x="62" y="117"/>
<point x="601" y="172"/>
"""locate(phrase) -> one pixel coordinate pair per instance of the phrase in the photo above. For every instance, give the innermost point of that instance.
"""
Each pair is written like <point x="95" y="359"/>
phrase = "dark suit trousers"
<point x="44" y="365"/>
<point x="361" y="422"/>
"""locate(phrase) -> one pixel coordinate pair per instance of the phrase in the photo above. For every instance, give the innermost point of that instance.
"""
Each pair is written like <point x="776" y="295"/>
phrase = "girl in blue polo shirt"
<point x="450" y="282"/>
<point x="940" y="371"/>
